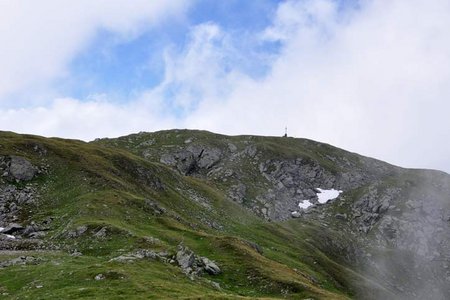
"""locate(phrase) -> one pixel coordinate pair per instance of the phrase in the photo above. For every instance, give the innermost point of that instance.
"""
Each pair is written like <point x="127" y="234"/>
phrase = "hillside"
<point x="186" y="214"/>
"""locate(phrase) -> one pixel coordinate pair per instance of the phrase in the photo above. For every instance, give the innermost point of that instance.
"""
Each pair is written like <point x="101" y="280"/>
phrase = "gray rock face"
<point x="401" y="230"/>
<point x="185" y="257"/>
<point x="237" y="192"/>
<point x="184" y="161"/>
<point x="193" y="158"/>
<point x="293" y="181"/>
<point x="17" y="168"/>
<point x="21" y="169"/>
<point x="283" y="183"/>
<point x="12" y="199"/>
<point x="208" y="157"/>
<point x="372" y="205"/>
<point x="13" y="228"/>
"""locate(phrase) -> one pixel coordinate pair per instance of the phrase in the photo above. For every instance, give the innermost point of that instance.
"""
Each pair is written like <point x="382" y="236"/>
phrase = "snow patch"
<point x="327" y="195"/>
<point x="323" y="195"/>
<point x="304" y="204"/>
<point x="1" y="229"/>
<point x="10" y="236"/>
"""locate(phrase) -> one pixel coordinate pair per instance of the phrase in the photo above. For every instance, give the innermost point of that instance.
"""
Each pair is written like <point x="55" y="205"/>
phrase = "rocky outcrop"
<point x="12" y="201"/>
<point x="210" y="266"/>
<point x="17" y="168"/>
<point x="372" y="206"/>
<point x="192" y="264"/>
<point x="237" y="193"/>
<point x="185" y="258"/>
<point x="13" y="228"/>
<point x="192" y="159"/>
<point x="292" y="182"/>
<point x="143" y="254"/>
<point x="22" y="260"/>
<point x="401" y="228"/>
<point x="277" y="185"/>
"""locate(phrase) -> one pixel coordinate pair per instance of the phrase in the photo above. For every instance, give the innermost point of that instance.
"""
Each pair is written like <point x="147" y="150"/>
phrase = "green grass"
<point x="105" y="184"/>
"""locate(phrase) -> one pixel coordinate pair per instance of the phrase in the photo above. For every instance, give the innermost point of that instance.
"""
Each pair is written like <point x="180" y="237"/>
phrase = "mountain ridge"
<point x="180" y="202"/>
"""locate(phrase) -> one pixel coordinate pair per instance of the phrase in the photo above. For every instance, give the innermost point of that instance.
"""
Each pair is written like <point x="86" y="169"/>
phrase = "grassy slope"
<point x="94" y="185"/>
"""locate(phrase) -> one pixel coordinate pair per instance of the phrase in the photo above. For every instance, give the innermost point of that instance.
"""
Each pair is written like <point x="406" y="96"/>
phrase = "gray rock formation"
<point x="210" y="266"/>
<point x="193" y="158"/>
<point x="80" y="230"/>
<point x="22" y="260"/>
<point x="21" y="169"/>
<point x="12" y="201"/>
<point x="192" y="264"/>
<point x="13" y="228"/>
<point x="17" y="168"/>
<point x="185" y="258"/>
<point x="237" y="193"/>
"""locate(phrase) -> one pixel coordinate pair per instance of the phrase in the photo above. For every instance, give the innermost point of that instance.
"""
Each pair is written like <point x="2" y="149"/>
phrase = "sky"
<point x="369" y="76"/>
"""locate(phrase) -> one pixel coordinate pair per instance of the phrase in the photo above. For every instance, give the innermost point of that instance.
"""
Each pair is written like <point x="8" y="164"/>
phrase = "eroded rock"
<point x="193" y="158"/>
<point x="210" y="267"/>
<point x="185" y="257"/>
<point x="22" y="260"/>
<point x="18" y="168"/>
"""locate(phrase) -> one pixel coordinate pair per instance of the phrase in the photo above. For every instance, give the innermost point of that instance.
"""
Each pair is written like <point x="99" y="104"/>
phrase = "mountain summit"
<point x="196" y="215"/>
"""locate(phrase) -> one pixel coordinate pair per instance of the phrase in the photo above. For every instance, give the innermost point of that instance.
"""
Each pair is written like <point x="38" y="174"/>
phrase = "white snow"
<point x="326" y="195"/>
<point x="10" y="236"/>
<point x="304" y="204"/>
<point x="1" y="229"/>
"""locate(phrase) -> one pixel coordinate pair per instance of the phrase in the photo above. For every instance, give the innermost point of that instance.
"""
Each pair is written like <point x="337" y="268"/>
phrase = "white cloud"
<point x="72" y="118"/>
<point x="375" y="80"/>
<point x="39" y="38"/>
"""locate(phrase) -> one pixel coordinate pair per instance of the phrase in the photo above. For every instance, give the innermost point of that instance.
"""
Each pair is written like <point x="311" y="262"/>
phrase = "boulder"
<point x="12" y="228"/>
<point x="185" y="257"/>
<point x="21" y="169"/>
<point x="210" y="266"/>
<point x="296" y="214"/>
<point x="101" y="233"/>
<point x="99" y="277"/>
<point x="32" y="228"/>
<point x="209" y="157"/>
